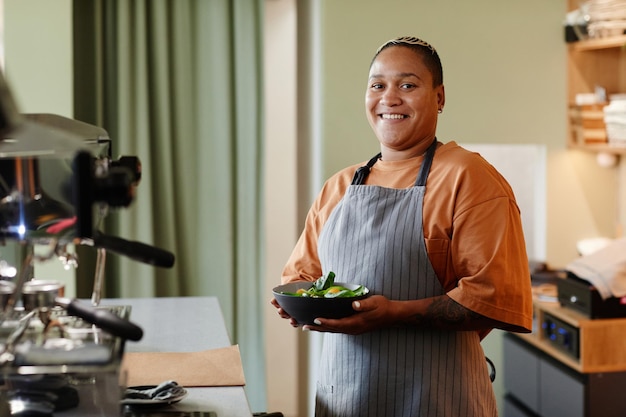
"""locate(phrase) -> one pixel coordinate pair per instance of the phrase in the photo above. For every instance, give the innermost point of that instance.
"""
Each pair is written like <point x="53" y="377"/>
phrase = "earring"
<point x="440" y="111"/>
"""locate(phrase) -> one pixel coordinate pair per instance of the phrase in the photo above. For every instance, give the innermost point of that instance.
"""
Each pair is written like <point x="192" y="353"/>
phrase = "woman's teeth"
<point x="393" y="116"/>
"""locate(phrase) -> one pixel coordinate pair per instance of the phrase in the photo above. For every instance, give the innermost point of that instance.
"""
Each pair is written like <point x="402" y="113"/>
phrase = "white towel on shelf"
<point x="605" y="269"/>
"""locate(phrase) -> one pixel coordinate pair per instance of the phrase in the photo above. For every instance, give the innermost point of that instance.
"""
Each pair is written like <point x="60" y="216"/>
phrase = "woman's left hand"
<point x="373" y="313"/>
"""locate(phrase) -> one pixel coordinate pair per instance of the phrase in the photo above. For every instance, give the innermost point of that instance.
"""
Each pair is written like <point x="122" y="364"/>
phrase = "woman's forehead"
<point x="398" y="59"/>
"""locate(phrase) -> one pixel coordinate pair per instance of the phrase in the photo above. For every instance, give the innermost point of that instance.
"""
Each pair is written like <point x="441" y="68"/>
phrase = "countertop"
<point x="178" y="324"/>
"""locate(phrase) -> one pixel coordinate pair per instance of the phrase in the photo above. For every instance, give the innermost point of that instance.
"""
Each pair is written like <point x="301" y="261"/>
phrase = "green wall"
<point x="504" y="69"/>
<point x="38" y="54"/>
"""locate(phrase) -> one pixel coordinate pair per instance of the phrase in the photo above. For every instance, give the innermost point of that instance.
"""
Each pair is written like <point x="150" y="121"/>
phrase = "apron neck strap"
<point x="364" y="171"/>
<point x="361" y="174"/>
<point x="428" y="161"/>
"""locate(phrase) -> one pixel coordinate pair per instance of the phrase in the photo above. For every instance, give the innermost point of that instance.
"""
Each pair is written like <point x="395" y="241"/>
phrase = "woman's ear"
<point x="441" y="97"/>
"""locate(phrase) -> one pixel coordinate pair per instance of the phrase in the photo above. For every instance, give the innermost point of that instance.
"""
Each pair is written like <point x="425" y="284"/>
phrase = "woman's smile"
<point x="387" y="116"/>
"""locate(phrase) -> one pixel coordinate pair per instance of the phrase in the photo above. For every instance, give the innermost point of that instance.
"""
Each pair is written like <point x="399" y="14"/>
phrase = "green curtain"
<point x="178" y="84"/>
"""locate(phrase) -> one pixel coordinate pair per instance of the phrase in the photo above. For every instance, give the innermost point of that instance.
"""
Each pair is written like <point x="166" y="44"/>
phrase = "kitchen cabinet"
<point x="538" y="385"/>
<point x="590" y="63"/>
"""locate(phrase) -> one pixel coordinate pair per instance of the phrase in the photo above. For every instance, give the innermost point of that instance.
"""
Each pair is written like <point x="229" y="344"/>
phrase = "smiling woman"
<point x="442" y="255"/>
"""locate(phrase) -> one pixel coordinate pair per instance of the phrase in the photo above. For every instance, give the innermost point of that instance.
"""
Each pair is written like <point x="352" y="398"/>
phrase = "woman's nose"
<point x="391" y="97"/>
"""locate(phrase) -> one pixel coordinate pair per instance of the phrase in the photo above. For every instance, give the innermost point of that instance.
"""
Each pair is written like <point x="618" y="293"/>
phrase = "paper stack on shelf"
<point x="605" y="269"/>
<point x="606" y="18"/>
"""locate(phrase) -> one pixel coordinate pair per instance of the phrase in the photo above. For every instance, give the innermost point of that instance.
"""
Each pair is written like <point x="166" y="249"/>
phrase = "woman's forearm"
<point x="442" y="312"/>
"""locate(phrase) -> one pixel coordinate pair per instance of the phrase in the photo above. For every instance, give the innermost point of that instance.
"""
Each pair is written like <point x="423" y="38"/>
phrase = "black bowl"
<point x="306" y="309"/>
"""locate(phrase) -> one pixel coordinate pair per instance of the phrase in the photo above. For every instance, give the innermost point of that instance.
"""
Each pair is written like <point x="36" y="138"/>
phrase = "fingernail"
<point x="316" y="321"/>
<point x="357" y="304"/>
<point x="305" y="328"/>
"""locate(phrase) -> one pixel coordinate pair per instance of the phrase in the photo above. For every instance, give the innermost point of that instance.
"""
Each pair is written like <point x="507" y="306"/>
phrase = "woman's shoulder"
<point x="467" y="167"/>
<point x="456" y="157"/>
<point x="453" y="151"/>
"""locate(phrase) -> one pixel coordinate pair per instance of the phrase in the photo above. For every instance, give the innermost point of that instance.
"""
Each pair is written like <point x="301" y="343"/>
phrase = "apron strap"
<point x="361" y="174"/>
<point x="364" y="171"/>
<point x="420" y="181"/>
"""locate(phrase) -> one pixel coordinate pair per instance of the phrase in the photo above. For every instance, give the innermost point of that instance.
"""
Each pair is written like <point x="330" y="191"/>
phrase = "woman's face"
<point x="401" y="103"/>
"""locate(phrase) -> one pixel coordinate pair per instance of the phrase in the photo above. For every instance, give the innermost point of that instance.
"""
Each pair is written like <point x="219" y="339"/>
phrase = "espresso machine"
<point x="58" y="181"/>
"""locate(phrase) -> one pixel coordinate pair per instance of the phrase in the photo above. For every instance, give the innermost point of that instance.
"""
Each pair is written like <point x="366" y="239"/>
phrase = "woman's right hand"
<point x="283" y="314"/>
<point x="372" y="313"/>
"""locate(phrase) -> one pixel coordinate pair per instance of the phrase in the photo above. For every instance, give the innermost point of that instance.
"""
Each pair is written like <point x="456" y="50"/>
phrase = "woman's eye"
<point x="376" y="86"/>
<point x="407" y="86"/>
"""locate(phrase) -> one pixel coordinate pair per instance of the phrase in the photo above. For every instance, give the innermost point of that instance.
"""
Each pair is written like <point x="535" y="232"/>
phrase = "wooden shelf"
<point x="599" y="43"/>
<point x="599" y="148"/>
<point x="592" y="63"/>
<point x="602" y="341"/>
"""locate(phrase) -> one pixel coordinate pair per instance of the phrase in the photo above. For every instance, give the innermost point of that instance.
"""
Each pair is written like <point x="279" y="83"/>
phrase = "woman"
<point x="434" y="232"/>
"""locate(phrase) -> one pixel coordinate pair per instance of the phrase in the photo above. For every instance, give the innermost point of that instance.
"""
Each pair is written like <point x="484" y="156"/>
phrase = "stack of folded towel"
<point x="606" y="18"/>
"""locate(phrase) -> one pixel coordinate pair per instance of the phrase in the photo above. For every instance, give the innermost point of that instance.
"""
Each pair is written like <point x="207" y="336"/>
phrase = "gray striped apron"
<point x="375" y="237"/>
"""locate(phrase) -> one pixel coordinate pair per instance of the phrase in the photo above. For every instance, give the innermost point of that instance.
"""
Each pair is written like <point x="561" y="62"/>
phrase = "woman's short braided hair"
<point x="424" y="49"/>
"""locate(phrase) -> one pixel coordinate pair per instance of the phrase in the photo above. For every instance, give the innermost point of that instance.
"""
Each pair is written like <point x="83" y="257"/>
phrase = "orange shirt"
<point x="472" y="229"/>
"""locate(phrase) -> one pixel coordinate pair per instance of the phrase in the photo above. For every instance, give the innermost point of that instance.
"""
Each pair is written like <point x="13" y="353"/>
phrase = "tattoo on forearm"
<point x="445" y="313"/>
